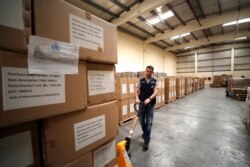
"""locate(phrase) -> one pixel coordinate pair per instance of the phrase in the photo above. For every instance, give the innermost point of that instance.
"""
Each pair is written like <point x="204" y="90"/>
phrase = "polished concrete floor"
<point x="203" y="129"/>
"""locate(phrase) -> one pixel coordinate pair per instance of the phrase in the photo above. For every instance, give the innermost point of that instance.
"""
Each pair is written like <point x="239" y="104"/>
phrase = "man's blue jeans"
<point x="146" y="115"/>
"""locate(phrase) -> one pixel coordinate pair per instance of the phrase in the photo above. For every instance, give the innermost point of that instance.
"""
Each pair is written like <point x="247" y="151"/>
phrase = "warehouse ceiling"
<point x="177" y="25"/>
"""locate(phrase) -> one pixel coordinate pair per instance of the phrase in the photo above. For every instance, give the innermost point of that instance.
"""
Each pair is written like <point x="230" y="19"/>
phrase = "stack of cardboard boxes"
<point x="160" y="98"/>
<point x="248" y="108"/>
<point x="188" y="85"/>
<point x="77" y="113"/>
<point x="217" y="81"/>
<point x="170" y="89"/>
<point x="180" y="87"/>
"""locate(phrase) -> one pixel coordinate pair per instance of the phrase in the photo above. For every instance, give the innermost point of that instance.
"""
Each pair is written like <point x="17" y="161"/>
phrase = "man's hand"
<point x="146" y="101"/>
<point x="137" y="101"/>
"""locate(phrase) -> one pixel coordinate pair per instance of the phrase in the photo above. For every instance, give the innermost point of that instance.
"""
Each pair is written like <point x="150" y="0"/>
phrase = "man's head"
<point x="149" y="71"/>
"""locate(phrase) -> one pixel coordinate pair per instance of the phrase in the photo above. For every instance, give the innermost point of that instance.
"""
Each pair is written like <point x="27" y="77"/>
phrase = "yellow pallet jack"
<point x="124" y="145"/>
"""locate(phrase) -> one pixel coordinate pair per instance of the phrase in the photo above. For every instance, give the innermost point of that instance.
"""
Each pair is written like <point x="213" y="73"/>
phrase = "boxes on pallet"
<point x="85" y="159"/>
<point x="123" y="109"/>
<point x="62" y="21"/>
<point x="26" y="97"/>
<point x="248" y="108"/>
<point x="15" y="24"/>
<point x="19" y="145"/>
<point x="188" y="85"/>
<point x="101" y="83"/>
<point x="132" y="111"/>
<point x="121" y="87"/>
<point x="163" y="98"/>
<point x="69" y="136"/>
<point x="180" y="87"/>
<point x="132" y="84"/>
<point x="217" y="81"/>
<point x="170" y="89"/>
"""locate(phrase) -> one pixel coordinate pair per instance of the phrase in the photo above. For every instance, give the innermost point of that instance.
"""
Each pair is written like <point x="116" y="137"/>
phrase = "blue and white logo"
<point x="56" y="47"/>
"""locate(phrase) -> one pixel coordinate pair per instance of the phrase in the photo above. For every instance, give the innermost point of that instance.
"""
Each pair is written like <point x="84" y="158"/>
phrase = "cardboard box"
<point x="122" y="91"/>
<point x="72" y="135"/>
<point x="101" y="83"/>
<point x="132" y="84"/>
<point x="123" y="109"/>
<point x="105" y="155"/>
<point x="84" y="160"/>
<point x="132" y="111"/>
<point x="19" y="145"/>
<point x="15" y="24"/>
<point x="30" y="97"/>
<point x="62" y="21"/>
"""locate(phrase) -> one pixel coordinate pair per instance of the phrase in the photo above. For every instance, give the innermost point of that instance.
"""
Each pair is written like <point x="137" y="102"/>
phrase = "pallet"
<point x="167" y="102"/>
<point x="126" y="121"/>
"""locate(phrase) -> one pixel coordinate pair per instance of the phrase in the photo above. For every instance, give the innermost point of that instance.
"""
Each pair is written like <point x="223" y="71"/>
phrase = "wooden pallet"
<point x="126" y="121"/>
<point x="170" y="101"/>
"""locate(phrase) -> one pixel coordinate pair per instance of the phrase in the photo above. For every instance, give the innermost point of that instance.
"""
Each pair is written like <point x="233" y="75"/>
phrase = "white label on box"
<point x="21" y="90"/>
<point x="85" y="33"/>
<point x="124" y="88"/>
<point x="159" y="99"/>
<point x="89" y="131"/>
<point x="11" y="14"/>
<point x="105" y="154"/>
<point x="100" y="82"/>
<point x="131" y="88"/>
<point x="163" y="98"/>
<point x="46" y="56"/>
<point x="170" y="94"/>
<point x="124" y="110"/>
<point x="16" y="150"/>
<point x="132" y="109"/>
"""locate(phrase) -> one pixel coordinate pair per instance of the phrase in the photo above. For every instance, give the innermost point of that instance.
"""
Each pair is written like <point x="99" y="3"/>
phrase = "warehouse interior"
<point x="70" y="71"/>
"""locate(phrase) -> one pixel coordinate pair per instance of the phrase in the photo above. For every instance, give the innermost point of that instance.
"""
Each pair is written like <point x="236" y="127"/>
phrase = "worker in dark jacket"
<point x="145" y="95"/>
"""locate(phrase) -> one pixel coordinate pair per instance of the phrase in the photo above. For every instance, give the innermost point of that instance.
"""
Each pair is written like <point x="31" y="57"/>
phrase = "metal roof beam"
<point x="141" y="8"/>
<point x="175" y="14"/>
<point x="210" y="21"/>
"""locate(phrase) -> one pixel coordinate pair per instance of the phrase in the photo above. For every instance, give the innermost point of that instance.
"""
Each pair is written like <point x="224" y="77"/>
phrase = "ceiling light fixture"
<point x="240" y="38"/>
<point x="163" y="16"/>
<point x="180" y="36"/>
<point x="235" y="22"/>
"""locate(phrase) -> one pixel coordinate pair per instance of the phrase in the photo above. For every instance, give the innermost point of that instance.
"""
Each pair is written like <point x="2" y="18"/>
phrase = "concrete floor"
<point x="203" y="129"/>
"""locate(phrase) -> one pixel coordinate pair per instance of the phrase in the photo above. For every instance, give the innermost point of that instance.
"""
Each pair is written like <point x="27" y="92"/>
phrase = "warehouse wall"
<point x="134" y="55"/>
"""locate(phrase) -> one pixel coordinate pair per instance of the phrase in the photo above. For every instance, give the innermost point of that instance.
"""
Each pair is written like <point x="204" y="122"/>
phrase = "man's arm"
<point x="137" y="92"/>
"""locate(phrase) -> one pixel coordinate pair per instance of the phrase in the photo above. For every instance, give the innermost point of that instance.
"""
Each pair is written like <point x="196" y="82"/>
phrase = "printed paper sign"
<point x="100" y="82"/>
<point x="85" y="33"/>
<point x="48" y="56"/>
<point x="16" y="150"/>
<point x="124" y="110"/>
<point x="131" y="88"/>
<point x="132" y="109"/>
<point x="124" y="88"/>
<point x="105" y="154"/>
<point x="21" y="90"/>
<point x="89" y="131"/>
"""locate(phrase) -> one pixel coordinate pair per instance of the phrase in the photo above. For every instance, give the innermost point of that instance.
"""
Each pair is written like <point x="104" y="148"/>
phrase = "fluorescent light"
<point x="163" y="16"/>
<point x="180" y="36"/>
<point x="235" y="22"/>
<point x="166" y="15"/>
<point x="153" y="21"/>
<point x="159" y="9"/>
<point x="240" y="38"/>
<point x="188" y="47"/>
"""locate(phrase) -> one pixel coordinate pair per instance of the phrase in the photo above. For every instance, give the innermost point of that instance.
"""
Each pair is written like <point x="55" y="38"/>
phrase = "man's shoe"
<point x="145" y="146"/>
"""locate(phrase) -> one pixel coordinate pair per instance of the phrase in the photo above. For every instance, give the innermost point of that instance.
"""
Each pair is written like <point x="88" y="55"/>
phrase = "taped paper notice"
<point x="132" y="109"/>
<point x="85" y="33"/>
<point x="21" y="89"/>
<point x="124" y="88"/>
<point x="89" y="131"/>
<point x="16" y="150"/>
<point x="100" y="82"/>
<point x="131" y="88"/>
<point x="124" y="110"/>
<point x="47" y="56"/>
<point x="105" y="154"/>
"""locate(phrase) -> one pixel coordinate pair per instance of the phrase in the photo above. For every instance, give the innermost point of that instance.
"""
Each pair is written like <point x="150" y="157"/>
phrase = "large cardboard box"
<point x="132" y="84"/>
<point x="62" y="21"/>
<point x="15" y="24"/>
<point x="26" y="97"/>
<point x="123" y="109"/>
<point x="105" y="155"/>
<point x="72" y="135"/>
<point x="101" y="83"/>
<point x="84" y="160"/>
<point x="132" y="111"/>
<point x="122" y="91"/>
<point x="19" y="145"/>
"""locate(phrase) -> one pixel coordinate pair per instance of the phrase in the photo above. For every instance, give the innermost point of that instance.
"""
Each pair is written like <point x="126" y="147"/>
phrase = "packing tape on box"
<point x="88" y="16"/>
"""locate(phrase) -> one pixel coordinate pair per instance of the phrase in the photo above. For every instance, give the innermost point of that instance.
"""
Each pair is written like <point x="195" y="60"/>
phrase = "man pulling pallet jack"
<point x="145" y="95"/>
